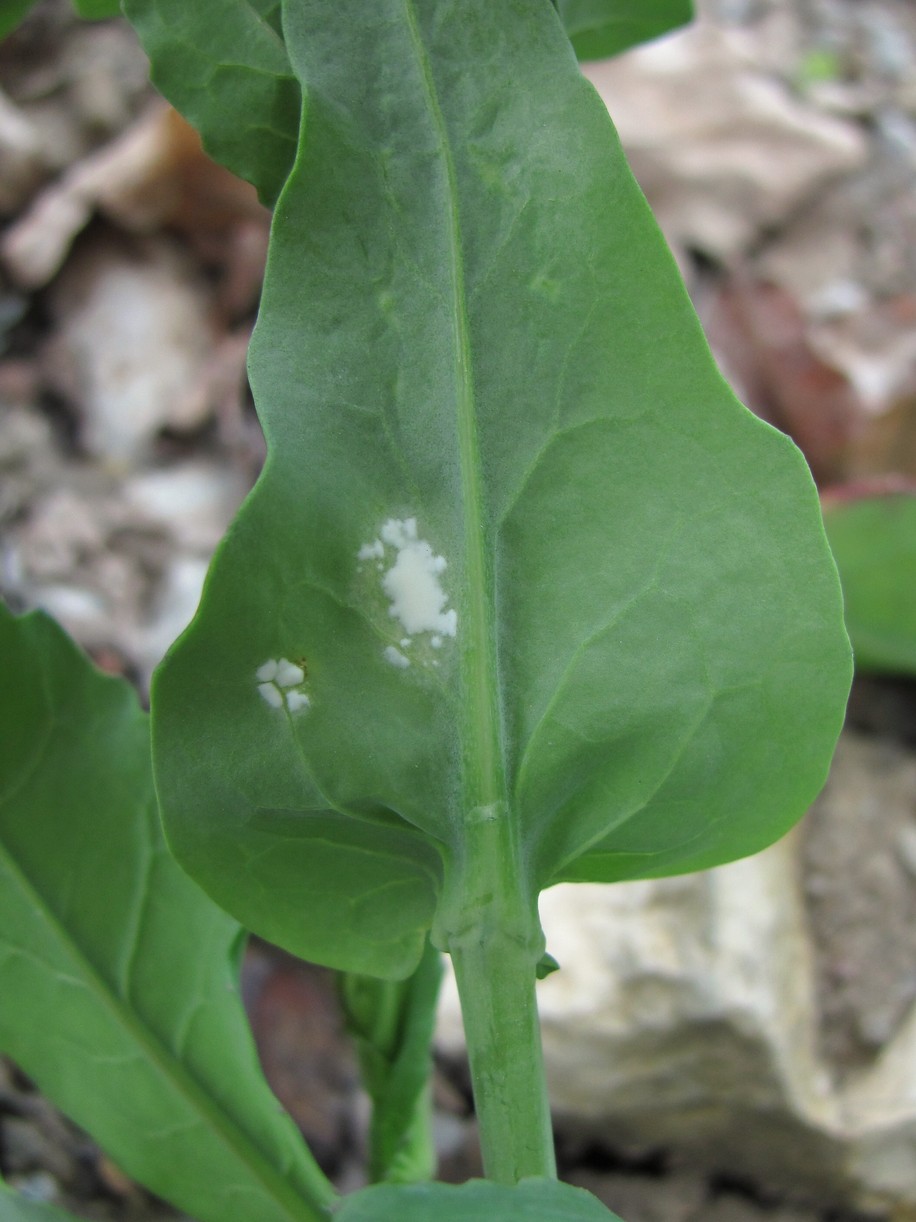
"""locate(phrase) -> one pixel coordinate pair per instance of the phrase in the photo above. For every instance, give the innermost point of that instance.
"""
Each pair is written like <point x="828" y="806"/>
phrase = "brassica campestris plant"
<point x="522" y="595"/>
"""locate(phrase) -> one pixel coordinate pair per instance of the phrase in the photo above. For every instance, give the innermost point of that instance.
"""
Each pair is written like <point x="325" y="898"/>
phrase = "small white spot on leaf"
<point x="271" y="694"/>
<point x="396" y="658"/>
<point x="296" y="701"/>
<point x="289" y="674"/>
<point x="399" y="534"/>
<point x="268" y="671"/>
<point x="449" y="623"/>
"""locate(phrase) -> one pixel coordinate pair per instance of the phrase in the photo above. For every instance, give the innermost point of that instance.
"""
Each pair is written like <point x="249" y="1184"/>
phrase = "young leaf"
<point x="601" y="28"/>
<point x="224" y="67"/>
<point x="11" y="13"/>
<point x="523" y="592"/>
<point x="119" y="993"/>
<point x="532" y="1200"/>
<point x="16" y="1208"/>
<point x="874" y="541"/>
<point x="391" y="1023"/>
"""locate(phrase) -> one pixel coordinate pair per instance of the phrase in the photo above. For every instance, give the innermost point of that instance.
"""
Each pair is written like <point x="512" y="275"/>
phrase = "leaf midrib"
<point x="197" y="1097"/>
<point x="272" y="34"/>
<point x="484" y="780"/>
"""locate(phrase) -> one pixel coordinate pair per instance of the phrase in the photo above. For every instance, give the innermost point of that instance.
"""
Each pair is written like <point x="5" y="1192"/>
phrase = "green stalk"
<point x="391" y="1023"/>
<point x="485" y="920"/>
<point x="495" y="942"/>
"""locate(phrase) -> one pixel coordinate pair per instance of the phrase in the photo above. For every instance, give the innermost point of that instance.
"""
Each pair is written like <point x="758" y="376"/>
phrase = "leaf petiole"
<point x="491" y="930"/>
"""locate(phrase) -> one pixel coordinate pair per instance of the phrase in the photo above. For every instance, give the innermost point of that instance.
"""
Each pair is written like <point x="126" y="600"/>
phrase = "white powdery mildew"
<point x="279" y="681"/>
<point x="412" y="584"/>
<point x="396" y="658"/>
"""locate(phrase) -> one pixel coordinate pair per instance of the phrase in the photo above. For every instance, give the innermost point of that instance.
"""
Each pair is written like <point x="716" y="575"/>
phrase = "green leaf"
<point x="874" y="541"/>
<point x="11" y="13"/>
<point x="471" y="329"/>
<point x="223" y="65"/>
<point x="391" y="1023"/>
<point x="97" y="10"/>
<point x="601" y="28"/>
<point x="532" y="1200"/>
<point x="124" y="974"/>
<point x="272" y="12"/>
<point x="547" y="965"/>
<point x="16" y="1208"/>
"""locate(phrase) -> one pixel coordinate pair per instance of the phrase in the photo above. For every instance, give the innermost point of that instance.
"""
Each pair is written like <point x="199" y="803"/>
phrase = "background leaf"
<point x="874" y="541"/>
<point x="119" y="993"/>
<point x="11" y="13"/>
<point x="530" y="1201"/>
<point x="224" y="67"/>
<point x="97" y="10"/>
<point x="475" y="362"/>
<point x="601" y="28"/>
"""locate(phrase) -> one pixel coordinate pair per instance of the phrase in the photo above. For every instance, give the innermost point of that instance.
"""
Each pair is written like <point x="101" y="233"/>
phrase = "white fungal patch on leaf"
<point x="279" y="684"/>
<point x="271" y="694"/>
<point x="411" y="581"/>
<point x="396" y="658"/>
<point x="289" y="674"/>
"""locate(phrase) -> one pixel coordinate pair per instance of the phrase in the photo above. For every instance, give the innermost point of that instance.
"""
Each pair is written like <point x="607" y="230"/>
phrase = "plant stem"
<point x="495" y="943"/>
<point x="486" y="920"/>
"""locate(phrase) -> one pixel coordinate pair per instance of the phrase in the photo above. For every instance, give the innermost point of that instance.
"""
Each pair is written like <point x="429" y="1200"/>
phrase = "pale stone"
<point x="132" y="345"/>
<point x="194" y="500"/>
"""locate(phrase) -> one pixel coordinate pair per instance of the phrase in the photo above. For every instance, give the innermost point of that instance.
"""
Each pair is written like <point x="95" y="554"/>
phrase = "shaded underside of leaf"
<point x="486" y="396"/>
<point x="601" y="28"/>
<point x="224" y="67"/>
<point x="874" y="542"/>
<point x="119" y="993"/>
<point x="532" y="1200"/>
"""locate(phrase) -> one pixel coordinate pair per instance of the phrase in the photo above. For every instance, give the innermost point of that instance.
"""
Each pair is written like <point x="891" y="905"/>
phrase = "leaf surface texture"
<point x="120" y="994"/>
<point x="601" y="28"/>
<point x="517" y="549"/>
